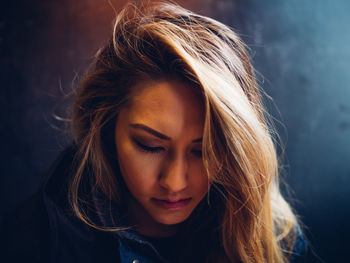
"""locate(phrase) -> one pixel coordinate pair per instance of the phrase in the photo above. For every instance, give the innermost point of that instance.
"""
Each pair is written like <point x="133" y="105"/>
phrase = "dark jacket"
<point x="44" y="229"/>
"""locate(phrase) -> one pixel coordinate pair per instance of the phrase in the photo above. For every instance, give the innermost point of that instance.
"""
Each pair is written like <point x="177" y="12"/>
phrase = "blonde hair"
<point x="253" y="223"/>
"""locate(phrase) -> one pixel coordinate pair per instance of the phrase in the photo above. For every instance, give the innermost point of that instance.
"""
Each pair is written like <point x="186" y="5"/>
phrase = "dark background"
<point x="301" y="48"/>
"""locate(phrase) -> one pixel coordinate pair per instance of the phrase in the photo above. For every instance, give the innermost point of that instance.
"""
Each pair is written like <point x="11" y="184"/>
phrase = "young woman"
<point x="172" y="160"/>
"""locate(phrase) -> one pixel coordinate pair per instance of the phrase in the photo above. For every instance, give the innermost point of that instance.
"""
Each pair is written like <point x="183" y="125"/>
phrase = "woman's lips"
<point x="171" y="205"/>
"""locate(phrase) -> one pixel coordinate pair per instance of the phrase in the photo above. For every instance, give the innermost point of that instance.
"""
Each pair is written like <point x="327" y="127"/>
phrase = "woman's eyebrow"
<point x="154" y="132"/>
<point x="149" y="130"/>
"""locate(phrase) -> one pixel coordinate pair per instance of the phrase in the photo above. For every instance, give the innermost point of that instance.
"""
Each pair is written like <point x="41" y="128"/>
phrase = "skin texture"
<point x="164" y="173"/>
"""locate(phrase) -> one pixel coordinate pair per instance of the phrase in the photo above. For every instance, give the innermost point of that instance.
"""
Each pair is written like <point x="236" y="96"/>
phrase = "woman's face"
<point x="159" y="148"/>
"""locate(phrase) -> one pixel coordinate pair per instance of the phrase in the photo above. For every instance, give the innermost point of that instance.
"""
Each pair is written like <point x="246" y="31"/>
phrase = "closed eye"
<point x="148" y="149"/>
<point x="197" y="153"/>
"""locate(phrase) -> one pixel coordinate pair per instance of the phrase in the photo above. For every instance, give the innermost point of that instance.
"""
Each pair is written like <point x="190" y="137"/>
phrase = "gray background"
<point x="301" y="48"/>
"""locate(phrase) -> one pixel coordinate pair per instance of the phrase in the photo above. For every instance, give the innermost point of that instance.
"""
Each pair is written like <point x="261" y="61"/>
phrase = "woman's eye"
<point x="148" y="149"/>
<point x="197" y="153"/>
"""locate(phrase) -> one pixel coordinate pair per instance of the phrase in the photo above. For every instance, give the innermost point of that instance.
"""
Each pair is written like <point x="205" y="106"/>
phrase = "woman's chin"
<point x="169" y="220"/>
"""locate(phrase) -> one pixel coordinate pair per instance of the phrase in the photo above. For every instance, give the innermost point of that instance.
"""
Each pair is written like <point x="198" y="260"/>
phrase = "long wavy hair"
<point x="246" y="215"/>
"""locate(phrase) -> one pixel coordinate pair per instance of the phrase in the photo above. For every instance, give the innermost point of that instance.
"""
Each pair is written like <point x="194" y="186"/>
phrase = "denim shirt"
<point x="132" y="248"/>
<point x="128" y="253"/>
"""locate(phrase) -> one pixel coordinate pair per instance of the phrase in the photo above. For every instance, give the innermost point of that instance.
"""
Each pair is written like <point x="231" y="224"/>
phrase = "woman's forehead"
<point x="168" y="95"/>
<point x="168" y="105"/>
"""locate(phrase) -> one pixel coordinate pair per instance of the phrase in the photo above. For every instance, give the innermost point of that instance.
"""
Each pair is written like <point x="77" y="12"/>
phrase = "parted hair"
<point x="248" y="217"/>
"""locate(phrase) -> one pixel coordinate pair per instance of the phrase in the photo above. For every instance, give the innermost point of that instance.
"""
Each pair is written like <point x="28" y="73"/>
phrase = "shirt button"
<point x="136" y="261"/>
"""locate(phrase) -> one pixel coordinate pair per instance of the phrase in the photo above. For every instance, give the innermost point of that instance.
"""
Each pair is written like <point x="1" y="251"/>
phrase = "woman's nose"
<point x="174" y="175"/>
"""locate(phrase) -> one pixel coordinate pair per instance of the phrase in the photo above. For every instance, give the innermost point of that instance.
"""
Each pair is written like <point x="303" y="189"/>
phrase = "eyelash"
<point x="197" y="153"/>
<point x="149" y="149"/>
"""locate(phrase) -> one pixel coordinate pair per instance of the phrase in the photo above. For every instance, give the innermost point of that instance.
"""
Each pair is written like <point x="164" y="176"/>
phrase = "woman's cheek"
<point x="142" y="165"/>
<point x="199" y="177"/>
